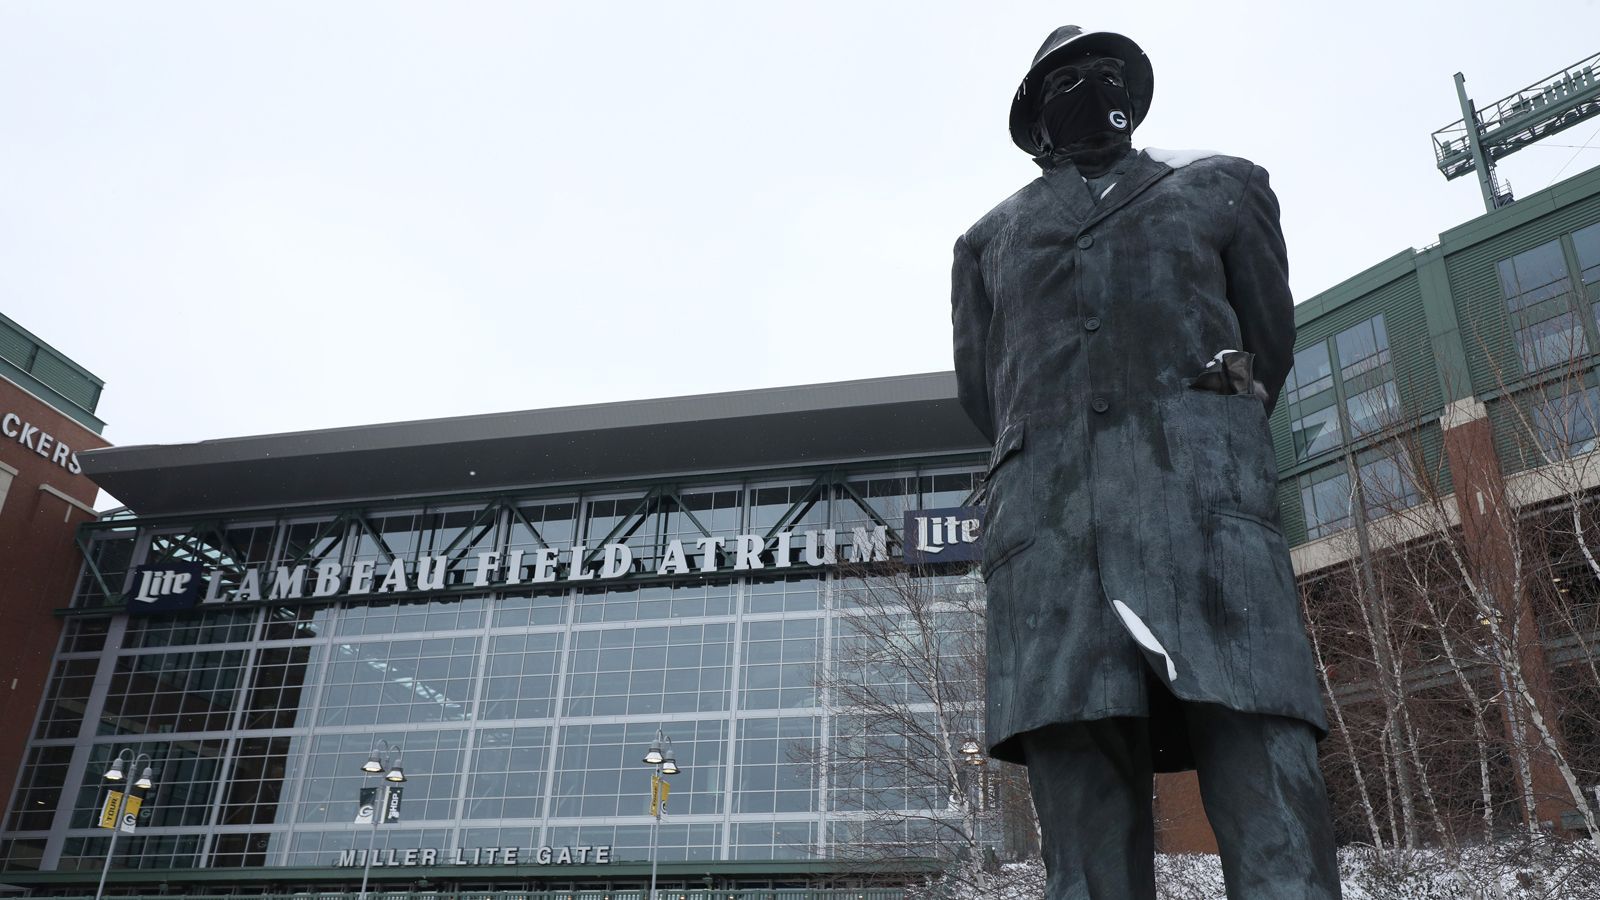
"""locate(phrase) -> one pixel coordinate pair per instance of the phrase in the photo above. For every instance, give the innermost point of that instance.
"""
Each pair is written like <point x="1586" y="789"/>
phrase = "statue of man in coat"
<point x="1122" y="328"/>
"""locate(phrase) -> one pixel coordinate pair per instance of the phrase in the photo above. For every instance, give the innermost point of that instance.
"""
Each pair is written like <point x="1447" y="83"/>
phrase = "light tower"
<point x="1480" y="138"/>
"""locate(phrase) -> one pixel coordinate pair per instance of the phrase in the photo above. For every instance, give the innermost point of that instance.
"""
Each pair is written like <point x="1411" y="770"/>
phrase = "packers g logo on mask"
<point x="1092" y="106"/>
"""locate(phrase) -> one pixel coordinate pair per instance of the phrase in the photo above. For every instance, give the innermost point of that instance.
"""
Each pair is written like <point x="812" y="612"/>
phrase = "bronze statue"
<point x="1122" y="327"/>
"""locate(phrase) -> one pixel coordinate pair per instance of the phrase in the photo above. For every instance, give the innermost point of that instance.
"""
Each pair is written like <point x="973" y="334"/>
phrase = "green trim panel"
<point x="43" y="371"/>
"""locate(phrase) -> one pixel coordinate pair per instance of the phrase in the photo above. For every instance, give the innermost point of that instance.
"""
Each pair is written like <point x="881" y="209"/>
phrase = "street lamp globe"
<point x="669" y="764"/>
<point x="653" y="757"/>
<point x="373" y="765"/>
<point x="396" y="774"/>
<point x="144" y="781"/>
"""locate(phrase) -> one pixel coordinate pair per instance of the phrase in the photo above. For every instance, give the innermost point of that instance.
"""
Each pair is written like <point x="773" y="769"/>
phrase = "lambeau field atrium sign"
<point x="934" y="535"/>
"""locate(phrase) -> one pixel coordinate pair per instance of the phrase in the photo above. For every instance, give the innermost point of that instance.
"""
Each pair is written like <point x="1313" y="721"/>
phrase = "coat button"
<point x="1091" y="324"/>
<point x="1086" y="242"/>
<point x="1099" y="404"/>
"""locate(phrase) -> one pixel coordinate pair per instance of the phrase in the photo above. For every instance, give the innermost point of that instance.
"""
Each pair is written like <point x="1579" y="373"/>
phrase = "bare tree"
<point x="903" y="767"/>
<point x="1447" y="612"/>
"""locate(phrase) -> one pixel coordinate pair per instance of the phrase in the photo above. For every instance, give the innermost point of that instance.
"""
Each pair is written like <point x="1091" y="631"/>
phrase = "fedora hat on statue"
<point x="1066" y="43"/>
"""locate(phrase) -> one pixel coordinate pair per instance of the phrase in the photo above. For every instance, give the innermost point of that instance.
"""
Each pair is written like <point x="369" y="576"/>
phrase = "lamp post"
<point x="377" y="761"/>
<point x="664" y="763"/>
<point x="116" y="775"/>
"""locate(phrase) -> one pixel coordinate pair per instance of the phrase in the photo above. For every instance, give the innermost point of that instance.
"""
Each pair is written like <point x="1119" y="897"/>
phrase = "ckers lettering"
<point x="39" y="441"/>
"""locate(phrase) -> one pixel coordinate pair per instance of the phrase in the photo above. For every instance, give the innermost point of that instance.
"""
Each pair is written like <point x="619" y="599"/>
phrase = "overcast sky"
<point x="262" y="217"/>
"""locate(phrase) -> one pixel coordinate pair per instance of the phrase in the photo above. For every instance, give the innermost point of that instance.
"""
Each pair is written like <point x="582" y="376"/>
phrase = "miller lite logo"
<point x="943" y="535"/>
<point x="162" y="587"/>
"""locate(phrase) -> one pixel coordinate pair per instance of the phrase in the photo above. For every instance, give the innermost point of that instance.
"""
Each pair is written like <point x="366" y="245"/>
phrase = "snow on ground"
<point x="1547" y="871"/>
<point x="1542" y="870"/>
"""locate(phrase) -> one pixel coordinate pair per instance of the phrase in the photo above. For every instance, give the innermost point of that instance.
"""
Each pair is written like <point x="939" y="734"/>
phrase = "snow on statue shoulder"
<point x="1177" y="159"/>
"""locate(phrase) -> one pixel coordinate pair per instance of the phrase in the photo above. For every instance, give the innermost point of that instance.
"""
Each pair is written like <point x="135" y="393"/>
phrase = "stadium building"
<point x="518" y="603"/>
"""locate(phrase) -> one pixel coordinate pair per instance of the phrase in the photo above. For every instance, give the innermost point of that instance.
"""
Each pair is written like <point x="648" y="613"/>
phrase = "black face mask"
<point x="1092" y="106"/>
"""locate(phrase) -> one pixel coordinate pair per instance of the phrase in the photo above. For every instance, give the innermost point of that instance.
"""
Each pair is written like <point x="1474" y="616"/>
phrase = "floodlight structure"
<point x="1480" y="138"/>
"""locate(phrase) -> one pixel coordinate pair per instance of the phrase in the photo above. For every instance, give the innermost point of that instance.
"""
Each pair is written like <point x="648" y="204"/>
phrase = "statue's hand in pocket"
<point x="1230" y="372"/>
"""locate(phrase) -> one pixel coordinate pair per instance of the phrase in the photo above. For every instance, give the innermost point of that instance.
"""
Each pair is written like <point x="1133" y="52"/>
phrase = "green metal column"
<point x="1469" y="117"/>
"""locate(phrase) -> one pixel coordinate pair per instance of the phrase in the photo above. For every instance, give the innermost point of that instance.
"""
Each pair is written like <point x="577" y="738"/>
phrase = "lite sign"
<point x="479" y="856"/>
<point x="943" y="535"/>
<point x="166" y="586"/>
<point x="156" y="587"/>
<point x="42" y="442"/>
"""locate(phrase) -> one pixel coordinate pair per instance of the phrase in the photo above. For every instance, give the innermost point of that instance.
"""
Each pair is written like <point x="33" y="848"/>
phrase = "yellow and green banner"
<point x="659" y="789"/>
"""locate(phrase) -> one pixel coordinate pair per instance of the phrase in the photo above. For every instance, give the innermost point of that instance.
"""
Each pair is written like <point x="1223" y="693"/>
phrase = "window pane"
<point x="597" y="770"/>
<point x="633" y="671"/>
<point x="766" y="778"/>
<point x="1587" y="242"/>
<point x="397" y="681"/>
<point x="1372" y="410"/>
<point x="1362" y="347"/>
<point x="1316" y="432"/>
<point x="1566" y="425"/>
<point x="1327" y="505"/>
<point x="508" y="773"/>
<point x="333" y="778"/>
<point x="172" y="692"/>
<point x="1312" y="373"/>
<point x="778" y="662"/>
<point x="1551" y="342"/>
<point x="1387" y="486"/>
<point x="1533" y="276"/>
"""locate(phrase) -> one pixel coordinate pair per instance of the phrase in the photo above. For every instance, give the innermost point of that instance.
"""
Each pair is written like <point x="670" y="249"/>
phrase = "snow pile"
<point x="1541" y="870"/>
<point x="1548" y="870"/>
<point x="1178" y="158"/>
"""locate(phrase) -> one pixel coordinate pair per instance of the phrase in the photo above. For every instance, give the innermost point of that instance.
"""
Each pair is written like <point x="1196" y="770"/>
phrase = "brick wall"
<point x="38" y="556"/>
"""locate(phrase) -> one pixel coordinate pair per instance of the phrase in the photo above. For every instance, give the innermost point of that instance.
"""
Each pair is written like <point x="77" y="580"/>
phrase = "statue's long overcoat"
<point x="1132" y="527"/>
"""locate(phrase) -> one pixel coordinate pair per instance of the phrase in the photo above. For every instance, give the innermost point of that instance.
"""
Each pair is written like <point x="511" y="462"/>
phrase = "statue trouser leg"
<point x="1264" y="796"/>
<point x="1259" y="780"/>
<point x="1091" y="785"/>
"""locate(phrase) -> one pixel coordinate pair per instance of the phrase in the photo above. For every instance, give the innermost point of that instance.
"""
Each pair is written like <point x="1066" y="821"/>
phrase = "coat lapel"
<point x="1140" y="175"/>
<point x="1072" y="195"/>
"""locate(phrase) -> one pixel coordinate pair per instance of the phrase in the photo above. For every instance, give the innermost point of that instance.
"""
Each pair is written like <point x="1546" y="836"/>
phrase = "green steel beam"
<point x="1444" y="326"/>
<point x="85" y="541"/>
<point x="798" y="508"/>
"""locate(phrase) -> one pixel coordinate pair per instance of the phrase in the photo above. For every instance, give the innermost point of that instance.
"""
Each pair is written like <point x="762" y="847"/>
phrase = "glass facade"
<point x="1552" y="297"/>
<point x="521" y="710"/>
<point x="1566" y="420"/>
<point x="1342" y="392"/>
